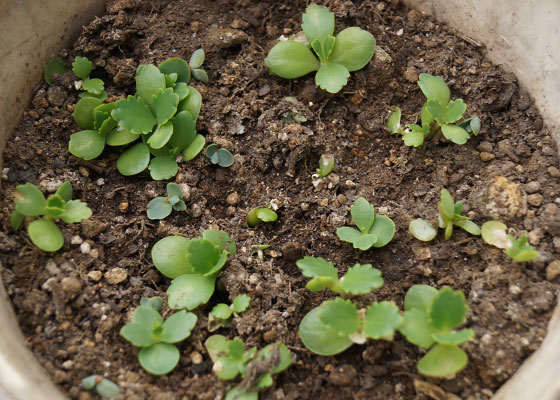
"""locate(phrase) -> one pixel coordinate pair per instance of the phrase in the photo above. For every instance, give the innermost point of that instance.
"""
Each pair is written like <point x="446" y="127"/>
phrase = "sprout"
<point x="222" y="314"/>
<point x="161" y="207"/>
<point x="101" y="386"/>
<point x="326" y="165"/>
<point x="219" y="156"/>
<point x="258" y="215"/>
<point x="494" y="233"/>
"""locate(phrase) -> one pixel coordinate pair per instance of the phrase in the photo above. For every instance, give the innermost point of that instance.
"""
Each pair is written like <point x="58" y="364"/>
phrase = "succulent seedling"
<point x="43" y="232"/>
<point x="494" y="233"/>
<point x="350" y="50"/>
<point x="375" y="230"/>
<point x="222" y="314"/>
<point x="101" y="386"/>
<point x="336" y="324"/>
<point x="326" y="165"/>
<point x="56" y="65"/>
<point x="259" y="248"/>
<point x="430" y="317"/>
<point x="155" y="302"/>
<point x="438" y="114"/>
<point x="255" y="367"/>
<point x="261" y="214"/>
<point x="160" y="207"/>
<point x="219" y="156"/>
<point x="193" y="264"/>
<point x="147" y="330"/>
<point x="82" y="67"/>
<point x="195" y="65"/>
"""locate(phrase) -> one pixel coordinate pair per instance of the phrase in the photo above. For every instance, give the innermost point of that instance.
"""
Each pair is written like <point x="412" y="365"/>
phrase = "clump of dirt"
<point x="72" y="304"/>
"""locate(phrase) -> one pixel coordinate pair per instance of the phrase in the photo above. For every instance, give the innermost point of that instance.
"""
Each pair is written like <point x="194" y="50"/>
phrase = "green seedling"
<point x="162" y="115"/>
<point x="259" y="248"/>
<point x="439" y="114"/>
<point x="55" y="66"/>
<point x="101" y="386"/>
<point x="82" y="67"/>
<point x="43" y="232"/>
<point x="326" y="165"/>
<point x="222" y="314"/>
<point x="494" y="233"/>
<point x="219" y="156"/>
<point x="161" y="206"/>
<point x="255" y="367"/>
<point x="195" y="65"/>
<point x="449" y="216"/>
<point x="147" y="330"/>
<point x="193" y="264"/>
<point x="375" y="230"/>
<point x="336" y="324"/>
<point x="350" y="50"/>
<point x="262" y="214"/>
<point x="155" y="302"/>
<point x="430" y="317"/>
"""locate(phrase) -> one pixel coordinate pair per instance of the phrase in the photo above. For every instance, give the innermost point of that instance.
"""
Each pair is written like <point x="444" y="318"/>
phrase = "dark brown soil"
<point x="72" y="325"/>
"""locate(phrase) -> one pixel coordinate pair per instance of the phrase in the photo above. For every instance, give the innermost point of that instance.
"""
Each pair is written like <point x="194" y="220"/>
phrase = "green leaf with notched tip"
<point x="149" y="79"/>
<point x="163" y="167"/>
<point x="317" y="22"/>
<point x="331" y="77"/>
<point x="82" y="67"/>
<point x="340" y="315"/>
<point x="178" y="327"/>
<point x="382" y="319"/>
<point x="176" y="65"/>
<point x="361" y="279"/>
<point x="315" y="267"/>
<point x="448" y="309"/>
<point x="420" y="297"/>
<point x="75" y="211"/>
<point x="413" y="138"/>
<point x="241" y="303"/>
<point x="134" y="114"/>
<point x="165" y="105"/>
<point x="462" y="336"/>
<point x="95" y="86"/>
<point x="454" y="111"/>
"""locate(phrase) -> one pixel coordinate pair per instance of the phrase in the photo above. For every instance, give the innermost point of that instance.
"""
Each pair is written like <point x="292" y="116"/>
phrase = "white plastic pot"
<point x="522" y="35"/>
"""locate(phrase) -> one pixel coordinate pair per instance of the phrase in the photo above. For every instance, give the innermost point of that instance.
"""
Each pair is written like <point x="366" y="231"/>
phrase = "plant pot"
<point x="519" y="36"/>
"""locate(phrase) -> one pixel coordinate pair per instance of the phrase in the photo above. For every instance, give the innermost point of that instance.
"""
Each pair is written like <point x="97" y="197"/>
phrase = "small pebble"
<point x="485" y="146"/>
<point x="84" y="172"/>
<point x="532" y="187"/>
<point x="76" y="239"/>
<point x="71" y="286"/>
<point x="411" y="74"/>
<point x="196" y="210"/>
<point x="100" y="182"/>
<point x="553" y="270"/>
<point x="233" y="199"/>
<point x="68" y="364"/>
<point x="535" y="236"/>
<point x="85" y="248"/>
<point x="343" y="375"/>
<point x="535" y="199"/>
<point x="554" y="172"/>
<point x="515" y="290"/>
<point x="95" y="275"/>
<point x="51" y="267"/>
<point x="349" y="184"/>
<point x="116" y="275"/>
<point x="485" y="156"/>
<point x="196" y="357"/>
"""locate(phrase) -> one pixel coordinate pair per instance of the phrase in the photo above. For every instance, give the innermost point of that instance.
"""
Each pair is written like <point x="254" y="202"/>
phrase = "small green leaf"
<point x="170" y="256"/>
<point x="192" y="103"/>
<point x="236" y="349"/>
<point x="155" y="302"/>
<point x="86" y="144"/>
<point x="425" y="116"/>
<point x="217" y="346"/>
<point x="434" y="87"/>
<point x="221" y="311"/>
<point x="138" y="335"/>
<point x="165" y="105"/>
<point x="228" y="368"/>
<point x="134" y="160"/>
<point x="30" y="201"/>
<point x="442" y="360"/>
<point x="221" y="239"/>
<point x="413" y="138"/>
<point x="178" y="66"/>
<point x="266" y="381"/>
<point x="319" y="338"/>
<point x="322" y="282"/>
<point x="454" y="111"/>
<point x="437" y="110"/>
<point x="448" y="309"/>
<point x="331" y="77"/>
<point x="174" y="190"/>
<point x="190" y="291"/>
<point x="422" y="229"/>
<point x="364" y="242"/>
<point x="315" y="267"/>
<point x="16" y="219"/>
<point x="75" y="211"/>
<point x="382" y="319"/>
<point x="158" y="208"/>
<point x="494" y="233"/>
<point x="384" y="229"/>
<point x="83" y="112"/>
<point x="178" y="327"/>
<point x="184" y="130"/>
<point x="362" y="214"/>
<point x="161" y="135"/>
<point x="468" y="226"/>
<point x="326" y="165"/>
<point x="149" y="80"/>
<point x="447" y="204"/>
<point x="394" y="121"/>
<point x="101" y="96"/>
<point x="200" y="75"/>
<point x="133" y="114"/>
<point x="237" y="394"/>
<point x="416" y="328"/>
<point x="420" y="297"/>
<point x="241" y="303"/>
<point x="349" y="234"/>
<point x="353" y="48"/>
<point x="146" y="316"/>
<point x="55" y="66"/>
<point x="107" y="388"/>
<point x="471" y="125"/>
<point x="290" y="59"/>
<point x="89" y="382"/>
<point x="197" y="59"/>
<point x="340" y="315"/>
<point x="266" y="215"/>
<point x="159" y="359"/>
<point x="182" y="90"/>
<point x="455" y="133"/>
<point x="361" y="279"/>
<point x="462" y="336"/>
<point x="120" y="136"/>
<point x="203" y="255"/>
<point x="317" y="22"/>
<point x="194" y="148"/>
<point x="45" y="234"/>
<point x="81" y="67"/>
<point x="95" y="86"/>
<point x="170" y="80"/>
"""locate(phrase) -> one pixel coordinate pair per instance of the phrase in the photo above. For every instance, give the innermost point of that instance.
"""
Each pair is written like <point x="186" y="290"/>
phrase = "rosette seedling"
<point x="195" y="65"/>
<point x="82" y="67"/>
<point x="374" y="230"/>
<point x="104" y="387"/>
<point x="43" y="232"/>
<point x="222" y="314"/>
<point x="430" y="319"/>
<point x="348" y="51"/>
<point x="336" y="324"/>
<point x="147" y="330"/>
<point x="257" y="368"/>
<point x="439" y="114"/>
<point x="261" y="214"/>
<point x="219" y="156"/>
<point x="161" y="206"/>
<point x="193" y="264"/>
<point x="494" y="233"/>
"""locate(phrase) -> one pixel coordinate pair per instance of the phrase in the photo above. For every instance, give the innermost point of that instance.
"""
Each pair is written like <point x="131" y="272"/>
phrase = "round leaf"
<point x="315" y="267"/>
<point x="192" y="103"/>
<point x="134" y="160"/>
<point x="348" y="234"/>
<point x="317" y="22"/>
<point x="190" y="291"/>
<point x="340" y="315"/>
<point x="221" y="239"/>
<point x="138" y="335"/>
<point x="290" y="59"/>
<point x="442" y="360"/>
<point x="178" y="327"/>
<point x="194" y="148"/>
<point x="87" y="144"/>
<point x="319" y="338"/>
<point x="384" y="229"/>
<point x="221" y="311"/>
<point x="133" y="114"/>
<point x="413" y="138"/>
<point x="462" y="336"/>
<point x="364" y="242"/>
<point x="107" y="389"/>
<point x="225" y="159"/>
<point x="455" y="133"/>
<point x="353" y="48"/>
<point x="184" y="130"/>
<point x="420" y="297"/>
<point x="120" y="136"/>
<point x="394" y="120"/>
<point x="362" y="214"/>
<point x="159" y="359"/>
<point x="448" y="309"/>
<point x="331" y="77"/>
<point x="200" y="75"/>
<point x="45" y="234"/>
<point x="54" y="66"/>
<point x="197" y="59"/>
<point x="161" y="135"/>
<point x="170" y="256"/>
<point x="416" y="328"/>
<point x="454" y="111"/>
<point x="265" y="214"/>
<point x="83" y="112"/>
<point x="361" y="279"/>
<point x="381" y="320"/>
<point x="422" y="230"/>
<point x="159" y="208"/>
<point x="434" y="87"/>
<point x="178" y="66"/>
<point x="241" y="303"/>
<point x="494" y="233"/>
<point x="30" y="201"/>
<point x="203" y="255"/>
<point x="149" y="80"/>
<point x="81" y="67"/>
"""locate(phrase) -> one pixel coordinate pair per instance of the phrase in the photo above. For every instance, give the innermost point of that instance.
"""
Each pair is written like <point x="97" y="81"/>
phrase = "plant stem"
<point x="435" y="127"/>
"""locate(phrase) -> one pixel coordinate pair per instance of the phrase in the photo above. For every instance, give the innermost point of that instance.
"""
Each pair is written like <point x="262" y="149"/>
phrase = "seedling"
<point x="430" y="317"/>
<point x="43" y="232"/>
<point x="219" y="156"/>
<point x="195" y="65"/>
<point x="439" y="114"/>
<point x="375" y="230"/>
<point x="101" y="386"/>
<point x="222" y="314"/>
<point x="336" y="324"/>
<point x="449" y="216"/>
<point x="155" y="302"/>
<point x="494" y="233"/>
<point x="259" y="248"/>
<point x="256" y="368"/>
<point x="193" y="264"/>
<point x="147" y="330"/>
<point x="162" y="113"/>
<point x="82" y="67"/>
<point x="350" y="50"/>
<point x="263" y="214"/>
<point x="326" y="165"/>
<point x="55" y="66"/>
<point x="161" y="206"/>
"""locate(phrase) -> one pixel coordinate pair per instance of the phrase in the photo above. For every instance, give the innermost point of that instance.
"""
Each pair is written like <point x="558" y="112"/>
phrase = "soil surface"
<point x="72" y="304"/>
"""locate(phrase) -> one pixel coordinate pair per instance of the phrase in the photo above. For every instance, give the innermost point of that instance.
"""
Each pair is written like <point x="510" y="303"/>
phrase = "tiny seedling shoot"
<point x="222" y="314"/>
<point x="43" y="232"/>
<point x="255" y="367"/>
<point x="336" y="324"/>
<point x="219" y="156"/>
<point x="430" y="317"/>
<point x="375" y="230"/>
<point x="82" y="67"/>
<point x="101" y="386"/>
<point x="326" y="165"/>
<point x="350" y="50"/>
<point x="147" y="330"/>
<point x="193" y="264"/>
<point x="262" y="214"/>
<point x="161" y="206"/>
<point x="439" y="114"/>
<point x="449" y="216"/>
<point x="494" y="233"/>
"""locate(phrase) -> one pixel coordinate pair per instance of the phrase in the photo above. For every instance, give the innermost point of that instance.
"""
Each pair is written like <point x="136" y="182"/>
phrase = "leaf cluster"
<point x="43" y="232"/>
<point x="219" y="156"/>
<point x="255" y="367"/>
<point x="193" y="264"/>
<point x="162" y="115"/>
<point x="350" y="50"/>
<point x="494" y="233"/>
<point x="82" y="67"/>
<point x="161" y="206"/>
<point x="147" y="330"/>
<point x="222" y="314"/>
<point x="438" y="113"/>
<point x="261" y="214"/>
<point x="374" y="230"/>
<point x="101" y="386"/>
<point x="430" y="317"/>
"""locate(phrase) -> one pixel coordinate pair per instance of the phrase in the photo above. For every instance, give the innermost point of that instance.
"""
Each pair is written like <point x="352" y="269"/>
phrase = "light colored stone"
<point x="535" y="236"/>
<point x="553" y="270"/>
<point x="535" y="199"/>
<point x="485" y="156"/>
<point x="499" y="199"/>
<point x="51" y="267"/>
<point x="85" y="248"/>
<point x="95" y="275"/>
<point x="233" y="199"/>
<point x="116" y="275"/>
<point x="71" y="286"/>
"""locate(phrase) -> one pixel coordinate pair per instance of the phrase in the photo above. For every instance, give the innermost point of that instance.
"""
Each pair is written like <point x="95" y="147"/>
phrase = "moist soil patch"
<point x="72" y="304"/>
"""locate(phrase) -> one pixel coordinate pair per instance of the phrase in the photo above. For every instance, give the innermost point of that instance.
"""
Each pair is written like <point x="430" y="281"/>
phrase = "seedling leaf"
<point x="88" y="144"/>
<point x="361" y="279"/>
<point x="81" y="67"/>
<point x="417" y="328"/>
<point x="353" y="48"/>
<point x="462" y="336"/>
<point x="315" y="267"/>
<point x="32" y="202"/>
<point x="192" y="103"/>
<point x="159" y="359"/>
<point x="447" y="204"/>
<point x="413" y="138"/>
<point x="422" y="230"/>
<point x="165" y="105"/>
<point x="221" y="239"/>
<point x="161" y="135"/>
<point x="45" y="234"/>
<point x="394" y="120"/>
<point x="454" y="111"/>
<point x="319" y="338"/>
<point x="194" y="148"/>
<point x="221" y="311"/>
<point x="138" y="335"/>
<point x="468" y="226"/>
<point x="170" y="256"/>
<point x="331" y="77"/>
<point x="158" y="208"/>
<point x="107" y="388"/>
<point x="455" y="133"/>
<point x="420" y="297"/>
<point x="95" y="86"/>
<point x="149" y="79"/>
<point x="448" y="309"/>
<point x="75" y="211"/>
<point x="133" y="114"/>
<point x="241" y="303"/>
<point x="83" y="112"/>
<point x="134" y="160"/>
<point x="184" y="130"/>
<point x="197" y="59"/>
<point x="434" y="87"/>
<point x="318" y="22"/>
<point x="340" y="315"/>
<point x="362" y="214"/>
<point x="348" y="234"/>
<point x="190" y="291"/>
<point x="178" y="66"/>
<point x="120" y="136"/>
<point x="203" y="255"/>
<point x="364" y="242"/>
<point x="384" y="229"/>
<point x="442" y="360"/>
<point x="16" y="219"/>
<point x="163" y="167"/>
<point x="381" y="320"/>
<point x="200" y="75"/>
<point x="54" y="66"/>
<point x="178" y="327"/>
